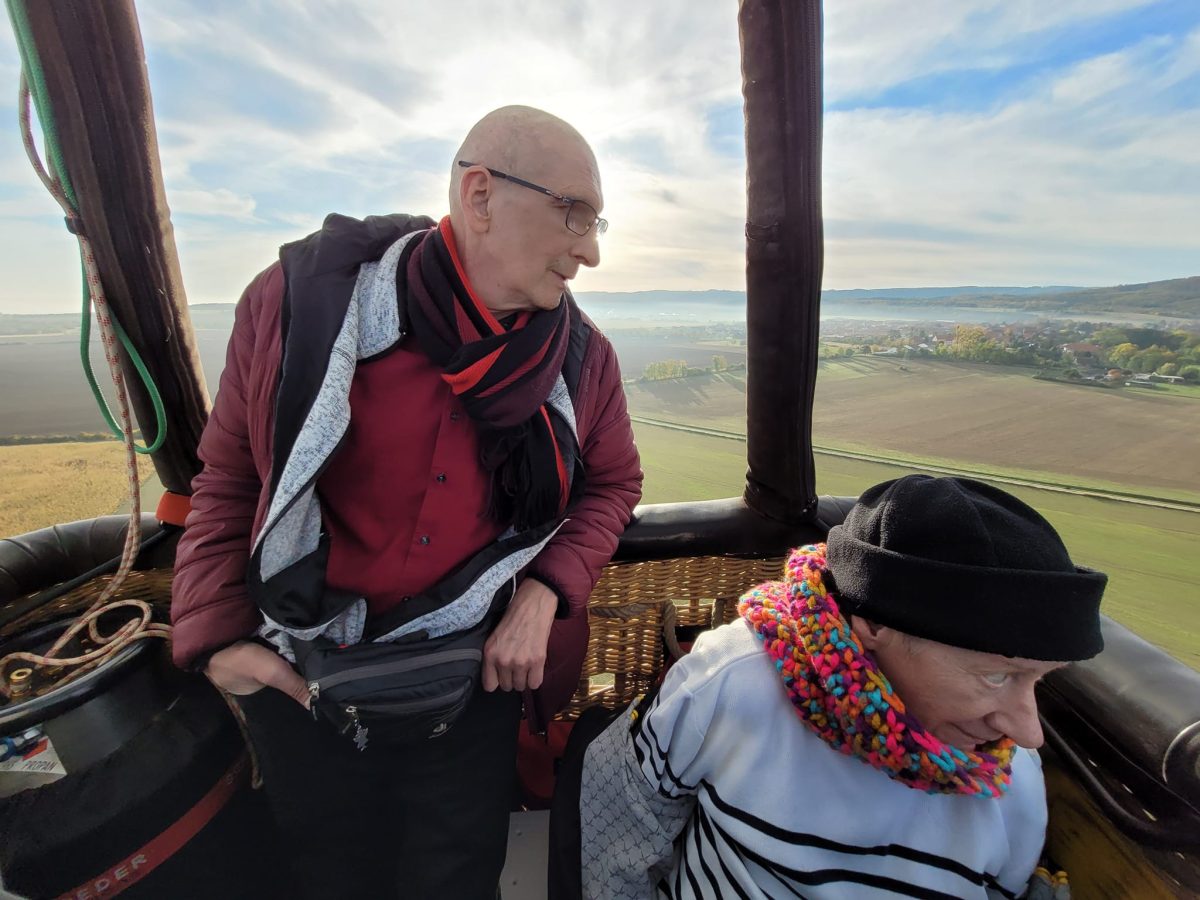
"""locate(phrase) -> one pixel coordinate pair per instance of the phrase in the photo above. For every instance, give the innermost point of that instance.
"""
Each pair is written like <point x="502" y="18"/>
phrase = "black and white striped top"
<point x="720" y="790"/>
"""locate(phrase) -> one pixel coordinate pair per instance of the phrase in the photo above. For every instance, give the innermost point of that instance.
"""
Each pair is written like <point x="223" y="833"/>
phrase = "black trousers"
<point x="427" y="821"/>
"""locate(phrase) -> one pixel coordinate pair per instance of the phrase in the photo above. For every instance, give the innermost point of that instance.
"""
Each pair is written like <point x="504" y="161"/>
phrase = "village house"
<point x="1083" y="352"/>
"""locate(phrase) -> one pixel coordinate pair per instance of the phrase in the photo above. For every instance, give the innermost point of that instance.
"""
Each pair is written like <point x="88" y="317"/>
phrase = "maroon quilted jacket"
<point x="210" y="605"/>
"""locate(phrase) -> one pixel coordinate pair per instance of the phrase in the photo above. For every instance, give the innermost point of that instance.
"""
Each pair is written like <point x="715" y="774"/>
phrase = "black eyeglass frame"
<point x="598" y="222"/>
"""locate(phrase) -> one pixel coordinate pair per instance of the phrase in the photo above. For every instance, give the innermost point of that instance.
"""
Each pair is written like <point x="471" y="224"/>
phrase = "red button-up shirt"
<point x="405" y="498"/>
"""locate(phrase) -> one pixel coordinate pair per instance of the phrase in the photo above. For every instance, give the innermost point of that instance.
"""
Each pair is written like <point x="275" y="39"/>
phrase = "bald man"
<point x="418" y="461"/>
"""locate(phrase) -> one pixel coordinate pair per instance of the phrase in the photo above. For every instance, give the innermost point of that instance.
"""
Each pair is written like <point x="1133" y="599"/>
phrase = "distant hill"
<point x="38" y="323"/>
<point x="857" y="295"/>
<point x="1176" y="298"/>
<point x="945" y="293"/>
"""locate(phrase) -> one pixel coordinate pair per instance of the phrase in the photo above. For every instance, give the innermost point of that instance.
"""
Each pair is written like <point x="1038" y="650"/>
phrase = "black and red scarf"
<point x="503" y="376"/>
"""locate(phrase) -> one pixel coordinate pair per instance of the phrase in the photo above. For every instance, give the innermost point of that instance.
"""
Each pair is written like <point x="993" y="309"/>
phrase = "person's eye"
<point x="997" y="678"/>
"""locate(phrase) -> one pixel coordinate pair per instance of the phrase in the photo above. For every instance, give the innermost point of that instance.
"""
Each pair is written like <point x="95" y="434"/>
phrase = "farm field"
<point x="44" y="484"/>
<point x="636" y="351"/>
<point x="46" y="393"/>
<point x="988" y="417"/>
<point x="1149" y="554"/>
<point x="54" y="398"/>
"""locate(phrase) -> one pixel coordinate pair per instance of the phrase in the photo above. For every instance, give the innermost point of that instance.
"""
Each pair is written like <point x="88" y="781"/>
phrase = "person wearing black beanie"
<point x="867" y="727"/>
<point x="965" y="597"/>
<point x="966" y="564"/>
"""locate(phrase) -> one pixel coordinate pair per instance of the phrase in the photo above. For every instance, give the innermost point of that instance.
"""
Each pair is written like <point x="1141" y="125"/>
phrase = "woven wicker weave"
<point x="151" y="585"/>
<point x="633" y="613"/>
<point x="691" y="583"/>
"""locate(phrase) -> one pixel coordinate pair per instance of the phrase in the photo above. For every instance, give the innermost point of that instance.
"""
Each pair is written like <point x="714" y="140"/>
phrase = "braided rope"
<point x="239" y="716"/>
<point x="135" y="629"/>
<point x="840" y="694"/>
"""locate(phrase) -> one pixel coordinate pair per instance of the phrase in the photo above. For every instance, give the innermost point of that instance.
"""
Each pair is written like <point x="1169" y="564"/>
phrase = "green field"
<point x="1191" y="391"/>
<point x="1150" y="554"/>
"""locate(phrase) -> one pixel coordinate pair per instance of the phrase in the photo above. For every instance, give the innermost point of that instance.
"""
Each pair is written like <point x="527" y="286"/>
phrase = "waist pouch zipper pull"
<point x="314" y="694"/>
<point x="360" y="733"/>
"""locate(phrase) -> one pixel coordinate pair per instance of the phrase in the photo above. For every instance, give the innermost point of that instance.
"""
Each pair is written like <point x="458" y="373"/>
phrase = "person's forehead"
<point x="580" y="185"/>
<point x="570" y="169"/>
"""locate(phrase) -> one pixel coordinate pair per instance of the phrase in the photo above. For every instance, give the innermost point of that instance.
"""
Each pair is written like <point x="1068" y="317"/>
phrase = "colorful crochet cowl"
<point x="845" y="700"/>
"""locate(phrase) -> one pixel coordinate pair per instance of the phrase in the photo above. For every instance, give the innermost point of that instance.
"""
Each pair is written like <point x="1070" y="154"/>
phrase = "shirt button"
<point x="441" y="476"/>
<point x="454" y="417"/>
<point x="424" y="539"/>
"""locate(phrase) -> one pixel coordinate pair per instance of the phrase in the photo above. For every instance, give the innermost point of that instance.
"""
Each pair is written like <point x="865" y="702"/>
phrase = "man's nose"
<point x="587" y="249"/>
<point x="1020" y="720"/>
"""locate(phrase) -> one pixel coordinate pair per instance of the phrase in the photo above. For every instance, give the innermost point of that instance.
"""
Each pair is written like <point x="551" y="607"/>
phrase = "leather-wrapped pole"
<point x="781" y="84"/>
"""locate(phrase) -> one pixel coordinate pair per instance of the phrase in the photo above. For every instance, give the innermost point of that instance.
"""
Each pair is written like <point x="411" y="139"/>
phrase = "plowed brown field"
<point x="993" y="417"/>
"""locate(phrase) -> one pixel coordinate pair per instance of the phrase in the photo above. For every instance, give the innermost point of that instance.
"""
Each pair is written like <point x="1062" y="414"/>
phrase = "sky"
<point x="999" y="142"/>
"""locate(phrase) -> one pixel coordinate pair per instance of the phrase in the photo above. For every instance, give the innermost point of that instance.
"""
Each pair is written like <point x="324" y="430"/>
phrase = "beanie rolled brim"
<point x="1031" y="614"/>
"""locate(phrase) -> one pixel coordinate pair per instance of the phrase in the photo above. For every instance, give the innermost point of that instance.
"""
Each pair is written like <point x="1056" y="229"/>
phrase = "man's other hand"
<point x="246" y="667"/>
<point x="514" y="657"/>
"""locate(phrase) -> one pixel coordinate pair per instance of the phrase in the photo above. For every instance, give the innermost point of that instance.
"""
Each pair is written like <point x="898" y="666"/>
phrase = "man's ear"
<point x="475" y="197"/>
<point x="872" y="635"/>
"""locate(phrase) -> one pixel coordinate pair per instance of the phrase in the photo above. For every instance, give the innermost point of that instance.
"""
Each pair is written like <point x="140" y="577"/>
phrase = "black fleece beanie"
<point x="966" y="564"/>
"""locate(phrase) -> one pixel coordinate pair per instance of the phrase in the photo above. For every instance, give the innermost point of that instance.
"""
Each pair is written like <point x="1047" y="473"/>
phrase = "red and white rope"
<point x="135" y="629"/>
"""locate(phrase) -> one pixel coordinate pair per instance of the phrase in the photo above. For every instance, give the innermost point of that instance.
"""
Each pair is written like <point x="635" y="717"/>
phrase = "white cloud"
<point x="217" y="265"/>
<point x="606" y="68"/>
<point x="871" y="45"/>
<point x="221" y="202"/>
<point x="1088" y="176"/>
<point x="1091" y="80"/>
<point x="40" y="260"/>
<point x="1186" y="63"/>
<point x="1089" y="179"/>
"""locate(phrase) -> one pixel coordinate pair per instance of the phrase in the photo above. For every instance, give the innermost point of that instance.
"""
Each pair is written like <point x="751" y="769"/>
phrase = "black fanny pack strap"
<point x="303" y="649"/>
<point x="500" y="600"/>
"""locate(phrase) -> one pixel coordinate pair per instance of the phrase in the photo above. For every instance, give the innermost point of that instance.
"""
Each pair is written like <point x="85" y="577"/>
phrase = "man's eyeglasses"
<point x="581" y="215"/>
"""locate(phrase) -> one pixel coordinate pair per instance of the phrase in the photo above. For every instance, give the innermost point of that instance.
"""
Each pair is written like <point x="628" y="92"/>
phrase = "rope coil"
<point x="58" y="184"/>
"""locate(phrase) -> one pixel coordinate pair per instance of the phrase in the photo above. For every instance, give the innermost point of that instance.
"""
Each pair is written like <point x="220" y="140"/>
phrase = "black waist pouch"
<point x="399" y="692"/>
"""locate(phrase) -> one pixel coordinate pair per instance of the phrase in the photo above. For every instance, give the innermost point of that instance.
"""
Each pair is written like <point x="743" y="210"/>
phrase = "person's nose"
<point x="1019" y="720"/>
<point x="587" y="249"/>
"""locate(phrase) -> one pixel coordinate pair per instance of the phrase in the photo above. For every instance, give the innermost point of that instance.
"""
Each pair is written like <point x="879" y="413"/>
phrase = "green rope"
<point x="85" y="339"/>
<point x="41" y="96"/>
<point x="36" y="78"/>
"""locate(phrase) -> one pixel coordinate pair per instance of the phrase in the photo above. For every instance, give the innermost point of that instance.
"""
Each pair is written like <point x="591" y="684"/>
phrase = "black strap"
<point x="565" y="875"/>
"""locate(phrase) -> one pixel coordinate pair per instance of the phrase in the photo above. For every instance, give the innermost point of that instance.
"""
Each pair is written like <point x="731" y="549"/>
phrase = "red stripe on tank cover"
<point x="137" y="865"/>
